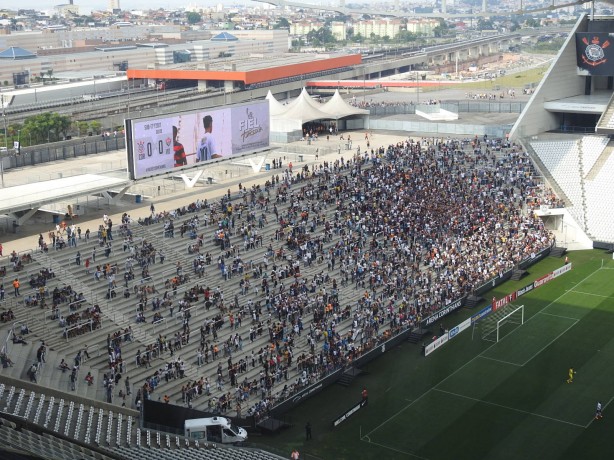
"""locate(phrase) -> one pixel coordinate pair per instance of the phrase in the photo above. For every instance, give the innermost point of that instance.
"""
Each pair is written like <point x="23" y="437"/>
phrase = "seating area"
<point x="116" y="429"/>
<point x="592" y="148"/>
<point x="562" y="158"/>
<point x="600" y="202"/>
<point x="253" y="297"/>
<point x="209" y="307"/>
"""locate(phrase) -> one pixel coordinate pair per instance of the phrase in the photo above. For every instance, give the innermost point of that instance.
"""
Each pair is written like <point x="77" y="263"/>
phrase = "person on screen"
<point x="207" y="148"/>
<point x="178" y="150"/>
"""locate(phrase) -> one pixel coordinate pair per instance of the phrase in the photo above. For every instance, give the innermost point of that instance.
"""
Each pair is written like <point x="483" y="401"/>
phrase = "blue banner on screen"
<point x="159" y="145"/>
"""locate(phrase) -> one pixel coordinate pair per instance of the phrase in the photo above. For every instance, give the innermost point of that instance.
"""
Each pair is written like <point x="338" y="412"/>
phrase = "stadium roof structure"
<point x="15" y="52"/>
<point x="251" y="70"/>
<point x="36" y="195"/>
<point x="224" y="37"/>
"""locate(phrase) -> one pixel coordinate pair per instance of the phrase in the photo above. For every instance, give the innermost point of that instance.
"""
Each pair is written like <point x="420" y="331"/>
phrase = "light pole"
<point x="417" y="88"/>
<point x="6" y="142"/>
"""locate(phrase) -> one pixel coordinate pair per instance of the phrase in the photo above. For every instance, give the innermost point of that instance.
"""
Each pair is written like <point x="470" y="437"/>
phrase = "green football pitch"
<point x="475" y="399"/>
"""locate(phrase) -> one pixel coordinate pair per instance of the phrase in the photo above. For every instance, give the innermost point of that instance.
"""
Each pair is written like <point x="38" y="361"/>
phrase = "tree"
<point x="484" y="24"/>
<point x="322" y="36"/>
<point x="405" y="36"/>
<point x="45" y="126"/>
<point x="531" y="22"/>
<point x="193" y="17"/>
<point x="82" y="127"/>
<point x="442" y="29"/>
<point x="95" y="126"/>
<point x="282" y="23"/>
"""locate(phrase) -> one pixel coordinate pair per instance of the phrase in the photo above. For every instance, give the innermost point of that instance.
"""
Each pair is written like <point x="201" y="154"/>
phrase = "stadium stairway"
<point x="348" y="376"/>
<point x="558" y="251"/>
<point x="472" y="301"/>
<point x="518" y="274"/>
<point x="418" y="335"/>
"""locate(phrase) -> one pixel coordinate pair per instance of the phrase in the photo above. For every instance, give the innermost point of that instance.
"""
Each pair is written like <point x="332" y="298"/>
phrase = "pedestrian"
<point x="78" y="258"/>
<point x="127" y="383"/>
<point x="365" y="395"/>
<point x="73" y="379"/>
<point x="308" y="431"/>
<point x="16" y="285"/>
<point x="598" y="414"/>
<point x="32" y="372"/>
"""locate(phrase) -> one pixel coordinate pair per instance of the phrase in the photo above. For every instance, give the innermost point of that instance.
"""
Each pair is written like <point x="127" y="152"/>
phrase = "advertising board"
<point x="181" y="140"/>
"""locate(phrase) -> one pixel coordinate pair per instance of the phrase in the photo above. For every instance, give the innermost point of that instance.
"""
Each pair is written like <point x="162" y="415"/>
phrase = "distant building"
<point x="304" y="27"/>
<point x="339" y="30"/>
<point x="66" y="10"/>
<point x="114" y="6"/>
<point x="422" y="26"/>
<point x="380" y="28"/>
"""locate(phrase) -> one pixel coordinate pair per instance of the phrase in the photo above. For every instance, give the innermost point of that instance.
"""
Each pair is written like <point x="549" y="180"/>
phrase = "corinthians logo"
<point x="594" y="54"/>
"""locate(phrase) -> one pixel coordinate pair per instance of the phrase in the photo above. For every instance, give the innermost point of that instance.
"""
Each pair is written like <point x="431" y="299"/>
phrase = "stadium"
<point x="430" y="270"/>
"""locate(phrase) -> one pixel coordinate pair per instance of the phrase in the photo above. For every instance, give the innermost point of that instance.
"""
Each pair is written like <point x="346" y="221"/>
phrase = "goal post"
<point x="495" y="326"/>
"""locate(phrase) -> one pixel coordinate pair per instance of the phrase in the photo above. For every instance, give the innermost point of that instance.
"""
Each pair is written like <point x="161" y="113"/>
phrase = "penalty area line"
<point x="410" y="454"/>
<point x="510" y="408"/>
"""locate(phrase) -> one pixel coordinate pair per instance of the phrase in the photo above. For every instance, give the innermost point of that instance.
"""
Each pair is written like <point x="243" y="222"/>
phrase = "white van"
<point x="214" y="429"/>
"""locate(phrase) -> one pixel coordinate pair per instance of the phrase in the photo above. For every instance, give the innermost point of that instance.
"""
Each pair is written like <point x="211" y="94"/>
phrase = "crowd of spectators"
<point x="413" y="226"/>
<point x="410" y="227"/>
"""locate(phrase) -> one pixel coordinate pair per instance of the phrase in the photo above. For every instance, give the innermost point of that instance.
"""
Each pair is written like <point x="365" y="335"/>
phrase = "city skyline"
<point x="86" y="6"/>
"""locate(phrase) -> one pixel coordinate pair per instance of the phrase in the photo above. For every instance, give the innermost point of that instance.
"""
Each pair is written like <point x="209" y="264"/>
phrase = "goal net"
<point x="500" y="323"/>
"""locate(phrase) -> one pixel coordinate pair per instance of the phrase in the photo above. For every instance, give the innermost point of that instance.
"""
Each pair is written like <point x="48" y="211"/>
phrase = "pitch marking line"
<point x="551" y="342"/>
<point x="393" y="449"/>
<point x="510" y="408"/>
<point x="396" y="414"/>
<point x="602" y="410"/>
<point x="565" y="293"/>
<point x="500" y="361"/>
<point x="591" y="294"/>
<point x="557" y="316"/>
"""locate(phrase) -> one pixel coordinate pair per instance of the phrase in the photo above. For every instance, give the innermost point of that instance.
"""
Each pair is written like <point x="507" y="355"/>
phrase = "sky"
<point x="85" y="6"/>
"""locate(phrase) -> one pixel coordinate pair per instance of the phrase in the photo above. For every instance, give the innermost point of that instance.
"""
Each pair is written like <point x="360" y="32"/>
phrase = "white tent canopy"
<point x="305" y="109"/>
<point x="275" y="107"/>
<point x="338" y="108"/>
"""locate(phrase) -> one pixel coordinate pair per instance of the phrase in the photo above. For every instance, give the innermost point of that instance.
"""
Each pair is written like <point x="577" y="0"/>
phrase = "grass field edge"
<point x="434" y="387"/>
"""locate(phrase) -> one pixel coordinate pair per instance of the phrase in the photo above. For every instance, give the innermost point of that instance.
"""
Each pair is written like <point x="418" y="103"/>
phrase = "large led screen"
<point x="159" y="145"/>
